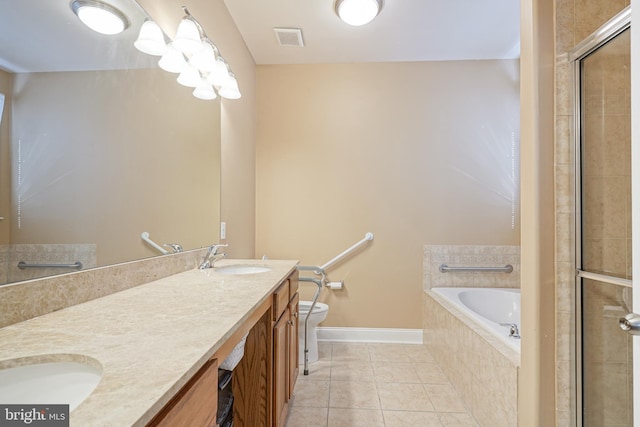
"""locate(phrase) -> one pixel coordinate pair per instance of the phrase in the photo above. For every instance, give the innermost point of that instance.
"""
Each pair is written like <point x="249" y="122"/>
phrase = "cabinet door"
<point x="280" y="369"/>
<point x="196" y="403"/>
<point x="294" y="349"/>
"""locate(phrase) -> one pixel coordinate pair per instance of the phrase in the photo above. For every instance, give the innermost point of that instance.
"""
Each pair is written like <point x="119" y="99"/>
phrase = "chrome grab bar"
<point x="367" y="237"/>
<point x="145" y="236"/>
<point x="319" y="283"/>
<point x="77" y="265"/>
<point x="322" y="281"/>
<point x="444" y="268"/>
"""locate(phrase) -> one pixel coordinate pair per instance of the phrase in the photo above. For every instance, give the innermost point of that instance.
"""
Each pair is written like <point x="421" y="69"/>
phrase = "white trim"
<point x="374" y="335"/>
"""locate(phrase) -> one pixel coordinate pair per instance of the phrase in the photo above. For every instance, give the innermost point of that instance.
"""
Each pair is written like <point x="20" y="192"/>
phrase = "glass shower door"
<point x="603" y="228"/>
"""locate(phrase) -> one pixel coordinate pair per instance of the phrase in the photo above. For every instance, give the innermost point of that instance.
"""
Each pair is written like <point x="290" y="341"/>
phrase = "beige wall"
<point x="6" y="88"/>
<point x="417" y="153"/>
<point x="114" y="162"/>
<point x="237" y="117"/>
<point x="536" y="381"/>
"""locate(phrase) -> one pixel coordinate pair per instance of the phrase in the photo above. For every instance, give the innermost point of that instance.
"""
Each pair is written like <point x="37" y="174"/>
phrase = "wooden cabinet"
<point x="285" y="347"/>
<point x="280" y="369"/>
<point x="294" y="349"/>
<point x="264" y="379"/>
<point x="195" y="404"/>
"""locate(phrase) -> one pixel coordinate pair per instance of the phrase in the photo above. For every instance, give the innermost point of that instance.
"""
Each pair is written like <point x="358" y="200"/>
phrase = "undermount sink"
<point x="48" y="383"/>
<point x="241" y="269"/>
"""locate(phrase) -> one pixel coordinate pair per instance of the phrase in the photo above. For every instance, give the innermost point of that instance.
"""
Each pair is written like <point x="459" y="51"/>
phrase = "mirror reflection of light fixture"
<point x="100" y="17"/>
<point x="358" y="12"/>
<point x="193" y="56"/>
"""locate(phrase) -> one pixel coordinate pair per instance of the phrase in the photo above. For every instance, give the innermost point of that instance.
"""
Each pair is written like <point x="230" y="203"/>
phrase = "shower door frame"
<point x="610" y="30"/>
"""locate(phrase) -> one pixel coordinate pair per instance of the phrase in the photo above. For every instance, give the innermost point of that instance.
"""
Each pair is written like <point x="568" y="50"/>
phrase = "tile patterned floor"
<point x="369" y="385"/>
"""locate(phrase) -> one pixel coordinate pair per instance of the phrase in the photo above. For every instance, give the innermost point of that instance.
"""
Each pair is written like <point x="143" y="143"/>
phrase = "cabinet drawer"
<point x="280" y="300"/>
<point x="293" y="284"/>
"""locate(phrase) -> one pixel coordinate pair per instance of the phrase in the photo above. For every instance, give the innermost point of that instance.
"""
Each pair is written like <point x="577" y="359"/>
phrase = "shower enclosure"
<point x="604" y="371"/>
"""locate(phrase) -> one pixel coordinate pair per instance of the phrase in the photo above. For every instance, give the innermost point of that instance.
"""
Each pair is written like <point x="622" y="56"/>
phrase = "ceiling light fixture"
<point x="191" y="55"/>
<point x="100" y="17"/>
<point x="358" y="12"/>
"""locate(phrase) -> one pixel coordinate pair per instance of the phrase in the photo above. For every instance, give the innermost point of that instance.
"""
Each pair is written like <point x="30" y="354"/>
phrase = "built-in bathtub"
<point x="463" y="332"/>
<point x="495" y="309"/>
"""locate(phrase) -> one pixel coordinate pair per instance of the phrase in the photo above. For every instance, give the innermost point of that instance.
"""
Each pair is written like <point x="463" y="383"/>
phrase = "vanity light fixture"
<point x="230" y="89"/>
<point x="193" y="56"/>
<point x="173" y="60"/>
<point x="358" y="12"/>
<point x="100" y="17"/>
<point x="151" y="39"/>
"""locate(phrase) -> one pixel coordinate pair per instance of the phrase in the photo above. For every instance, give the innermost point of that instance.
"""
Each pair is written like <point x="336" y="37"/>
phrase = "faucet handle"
<point x="214" y="248"/>
<point x="175" y="247"/>
<point x="513" y="329"/>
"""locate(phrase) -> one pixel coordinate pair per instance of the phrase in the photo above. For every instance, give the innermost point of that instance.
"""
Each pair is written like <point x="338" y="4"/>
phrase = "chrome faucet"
<point x="513" y="330"/>
<point x="212" y="256"/>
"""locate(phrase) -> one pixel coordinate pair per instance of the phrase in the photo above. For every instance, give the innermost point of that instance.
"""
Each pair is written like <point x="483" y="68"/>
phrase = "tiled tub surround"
<point x="483" y="369"/>
<point x="149" y="340"/>
<point x="25" y="300"/>
<point x="470" y="256"/>
<point x="85" y="253"/>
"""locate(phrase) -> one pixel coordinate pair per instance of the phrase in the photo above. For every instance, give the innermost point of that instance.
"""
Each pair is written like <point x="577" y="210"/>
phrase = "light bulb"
<point x="187" y="38"/>
<point x="358" y="12"/>
<point x="204" y="59"/>
<point x="189" y="77"/>
<point x="230" y="89"/>
<point x="150" y="39"/>
<point x="204" y="90"/>
<point x="173" y="60"/>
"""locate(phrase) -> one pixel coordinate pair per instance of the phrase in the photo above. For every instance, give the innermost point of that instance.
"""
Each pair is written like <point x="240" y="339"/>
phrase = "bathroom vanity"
<point x="159" y="346"/>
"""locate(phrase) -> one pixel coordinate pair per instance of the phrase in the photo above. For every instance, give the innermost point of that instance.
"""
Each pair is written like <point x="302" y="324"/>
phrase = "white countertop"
<point x="148" y="340"/>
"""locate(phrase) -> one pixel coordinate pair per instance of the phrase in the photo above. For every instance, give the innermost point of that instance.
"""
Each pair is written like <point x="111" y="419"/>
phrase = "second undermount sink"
<point x="48" y="383"/>
<point x="241" y="269"/>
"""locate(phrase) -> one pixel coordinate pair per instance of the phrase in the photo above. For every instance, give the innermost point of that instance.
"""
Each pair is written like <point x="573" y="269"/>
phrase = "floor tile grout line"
<point x="377" y="383"/>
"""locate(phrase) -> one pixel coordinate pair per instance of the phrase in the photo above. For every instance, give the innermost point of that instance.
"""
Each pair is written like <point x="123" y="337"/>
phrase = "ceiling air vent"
<point x="289" y="37"/>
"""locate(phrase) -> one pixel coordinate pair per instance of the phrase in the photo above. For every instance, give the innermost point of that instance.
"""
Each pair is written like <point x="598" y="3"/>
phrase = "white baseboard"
<point x="373" y="335"/>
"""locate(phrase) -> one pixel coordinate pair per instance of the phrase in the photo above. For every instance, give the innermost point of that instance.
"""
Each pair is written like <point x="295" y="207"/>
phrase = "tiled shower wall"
<point x="575" y="20"/>
<point x="470" y="256"/>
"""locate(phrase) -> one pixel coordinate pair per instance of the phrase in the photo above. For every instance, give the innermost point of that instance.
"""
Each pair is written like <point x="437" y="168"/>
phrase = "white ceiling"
<point x="45" y="35"/>
<point x="405" y="30"/>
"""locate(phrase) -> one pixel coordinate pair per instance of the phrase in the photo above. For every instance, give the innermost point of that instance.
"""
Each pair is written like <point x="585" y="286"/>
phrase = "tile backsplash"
<point x="85" y="253"/>
<point x="25" y="300"/>
<point x="470" y="256"/>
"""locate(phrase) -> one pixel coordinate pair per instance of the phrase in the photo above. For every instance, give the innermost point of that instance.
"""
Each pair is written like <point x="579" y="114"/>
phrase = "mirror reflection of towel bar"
<point x="444" y="268"/>
<point x="22" y="265"/>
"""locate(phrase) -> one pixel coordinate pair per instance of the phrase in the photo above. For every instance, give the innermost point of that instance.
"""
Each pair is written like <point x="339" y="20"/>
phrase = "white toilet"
<point x="319" y="314"/>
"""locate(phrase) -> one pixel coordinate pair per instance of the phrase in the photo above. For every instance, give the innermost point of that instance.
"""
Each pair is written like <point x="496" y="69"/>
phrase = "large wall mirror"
<point x="97" y="146"/>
